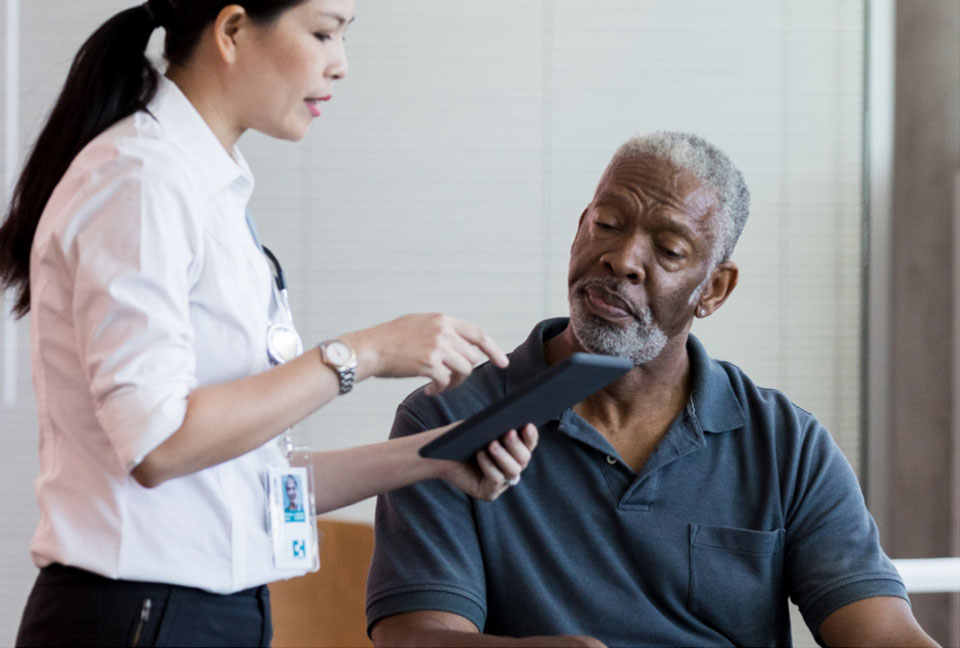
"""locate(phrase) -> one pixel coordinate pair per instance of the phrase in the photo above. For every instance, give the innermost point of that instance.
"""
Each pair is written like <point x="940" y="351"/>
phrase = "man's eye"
<point x="606" y="226"/>
<point x="670" y="253"/>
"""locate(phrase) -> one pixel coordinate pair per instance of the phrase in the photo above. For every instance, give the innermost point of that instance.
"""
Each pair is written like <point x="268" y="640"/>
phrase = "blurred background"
<point x="449" y="170"/>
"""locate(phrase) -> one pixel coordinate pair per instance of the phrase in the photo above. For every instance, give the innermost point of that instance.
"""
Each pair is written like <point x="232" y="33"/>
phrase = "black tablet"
<point x="543" y="397"/>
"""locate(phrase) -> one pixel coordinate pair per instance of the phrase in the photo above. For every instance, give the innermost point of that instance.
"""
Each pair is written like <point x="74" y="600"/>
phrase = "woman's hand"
<point x="436" y="346"/>
<point x="498" y="466"/>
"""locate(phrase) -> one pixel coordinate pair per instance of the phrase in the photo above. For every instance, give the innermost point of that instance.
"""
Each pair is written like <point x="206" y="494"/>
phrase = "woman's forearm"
<point x="228" y="420"/>
<point x="342" y="477"/>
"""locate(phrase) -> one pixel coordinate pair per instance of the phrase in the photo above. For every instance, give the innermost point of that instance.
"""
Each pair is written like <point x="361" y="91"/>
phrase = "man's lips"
<point x="606" y="303"/>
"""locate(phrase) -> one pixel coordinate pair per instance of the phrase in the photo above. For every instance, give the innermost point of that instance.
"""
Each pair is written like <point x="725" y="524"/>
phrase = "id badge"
<point x="293" y="524"/>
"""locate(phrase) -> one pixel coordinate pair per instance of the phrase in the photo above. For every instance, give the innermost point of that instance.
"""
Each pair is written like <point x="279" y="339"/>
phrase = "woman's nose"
<point x="337" y="68"/>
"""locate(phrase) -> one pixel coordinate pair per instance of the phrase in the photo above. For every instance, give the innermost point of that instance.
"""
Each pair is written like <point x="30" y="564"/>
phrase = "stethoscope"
<point x="283" y="341"/>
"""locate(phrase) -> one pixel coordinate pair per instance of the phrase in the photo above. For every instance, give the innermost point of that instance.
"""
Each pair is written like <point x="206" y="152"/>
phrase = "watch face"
<point x="338" y="353"/>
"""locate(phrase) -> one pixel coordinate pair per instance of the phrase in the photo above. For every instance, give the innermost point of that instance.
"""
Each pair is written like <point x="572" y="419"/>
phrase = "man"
<point x="292" y="493"/>
<point x="681" y="505"/>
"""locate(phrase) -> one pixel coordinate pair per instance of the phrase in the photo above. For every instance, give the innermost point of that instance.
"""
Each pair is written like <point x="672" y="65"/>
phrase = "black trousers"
<point x="73" y="607"/>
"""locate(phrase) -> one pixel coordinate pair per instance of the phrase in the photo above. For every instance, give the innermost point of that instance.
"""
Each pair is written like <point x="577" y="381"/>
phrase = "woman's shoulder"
<point x="127" y="173"/>
<point x="136" y="147"/>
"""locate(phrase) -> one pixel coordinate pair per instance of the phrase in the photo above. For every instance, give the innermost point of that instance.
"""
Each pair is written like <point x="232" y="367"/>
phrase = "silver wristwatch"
<point x="342" y="359"/>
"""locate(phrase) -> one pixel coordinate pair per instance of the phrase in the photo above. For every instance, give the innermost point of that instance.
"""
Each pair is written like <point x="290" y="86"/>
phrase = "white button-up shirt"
<point x="145" y="284"/>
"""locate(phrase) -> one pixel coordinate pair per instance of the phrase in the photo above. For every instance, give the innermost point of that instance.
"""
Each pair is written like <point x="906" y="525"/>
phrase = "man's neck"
<point x="636" y="411"/>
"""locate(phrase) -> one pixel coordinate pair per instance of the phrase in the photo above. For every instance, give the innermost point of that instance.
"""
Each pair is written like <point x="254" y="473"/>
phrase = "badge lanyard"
<point x="291" y="510"/>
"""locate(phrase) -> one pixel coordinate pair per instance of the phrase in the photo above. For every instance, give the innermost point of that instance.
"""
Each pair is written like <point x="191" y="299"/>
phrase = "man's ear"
<point x="231" y="20"/>
<point x="722" y="282"/>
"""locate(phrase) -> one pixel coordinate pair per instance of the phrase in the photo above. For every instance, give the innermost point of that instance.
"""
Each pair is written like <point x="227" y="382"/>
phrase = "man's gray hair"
<point x="696" y="155"/>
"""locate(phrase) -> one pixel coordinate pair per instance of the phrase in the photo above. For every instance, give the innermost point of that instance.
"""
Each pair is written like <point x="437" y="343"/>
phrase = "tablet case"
<point x="540" y="399"/>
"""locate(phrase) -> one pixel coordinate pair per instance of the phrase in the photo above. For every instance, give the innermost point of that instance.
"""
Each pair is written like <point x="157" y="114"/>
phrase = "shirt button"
<point x="611" y="460"/>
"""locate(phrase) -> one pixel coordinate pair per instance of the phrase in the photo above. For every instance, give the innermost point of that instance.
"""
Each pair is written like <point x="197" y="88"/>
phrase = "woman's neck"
<point x="209" y="99"/>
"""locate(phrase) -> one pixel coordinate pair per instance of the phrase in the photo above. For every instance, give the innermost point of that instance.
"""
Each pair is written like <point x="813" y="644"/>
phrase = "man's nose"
<point x="626" y="260"/>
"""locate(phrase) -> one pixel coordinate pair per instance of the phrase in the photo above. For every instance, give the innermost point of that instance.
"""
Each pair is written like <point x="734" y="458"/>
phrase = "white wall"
<point x="450" y="168"/>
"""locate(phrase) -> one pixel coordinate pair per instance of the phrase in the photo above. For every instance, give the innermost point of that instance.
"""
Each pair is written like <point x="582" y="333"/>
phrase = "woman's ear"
<point x="227" y="29"/>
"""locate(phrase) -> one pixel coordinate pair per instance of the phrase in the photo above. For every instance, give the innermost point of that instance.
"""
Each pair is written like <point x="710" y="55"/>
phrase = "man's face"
<point x="291" y="485"/>
<point x="643" y="246"/>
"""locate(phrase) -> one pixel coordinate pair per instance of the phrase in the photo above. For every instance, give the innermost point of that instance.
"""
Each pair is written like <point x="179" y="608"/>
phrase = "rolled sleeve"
<point x="132" y="255"/>
<point x="427" y="555"/>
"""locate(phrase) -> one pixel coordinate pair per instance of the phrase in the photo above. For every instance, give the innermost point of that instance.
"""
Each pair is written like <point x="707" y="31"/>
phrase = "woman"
<point x="165" y="360"/>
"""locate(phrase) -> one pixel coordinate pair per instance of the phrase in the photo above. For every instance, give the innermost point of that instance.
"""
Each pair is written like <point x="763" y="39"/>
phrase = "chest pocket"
<point x="736" y="582"/>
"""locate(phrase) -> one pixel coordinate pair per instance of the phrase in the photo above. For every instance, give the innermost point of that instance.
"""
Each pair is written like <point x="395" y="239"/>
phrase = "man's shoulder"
<point x="771" y="422"/>
<point x="485" y="385"/>
<point x="748" y="390"/>
<point x="729" y="398"/>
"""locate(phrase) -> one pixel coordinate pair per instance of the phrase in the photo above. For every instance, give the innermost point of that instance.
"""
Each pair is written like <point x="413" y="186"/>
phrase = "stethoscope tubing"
<point x="279" y="278"/>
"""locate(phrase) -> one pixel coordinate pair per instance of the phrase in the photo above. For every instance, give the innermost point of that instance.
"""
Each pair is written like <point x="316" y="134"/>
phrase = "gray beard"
<point x="641" y="341"/>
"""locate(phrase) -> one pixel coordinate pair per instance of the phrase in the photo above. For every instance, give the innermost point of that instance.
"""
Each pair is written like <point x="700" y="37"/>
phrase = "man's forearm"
<point x="876" y="621"/>
<point x="444" y="629"/>
<point x="455" y="639"/>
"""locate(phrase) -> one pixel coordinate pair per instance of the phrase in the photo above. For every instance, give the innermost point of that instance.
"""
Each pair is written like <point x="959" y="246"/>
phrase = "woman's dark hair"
<point x="110" y="78"/>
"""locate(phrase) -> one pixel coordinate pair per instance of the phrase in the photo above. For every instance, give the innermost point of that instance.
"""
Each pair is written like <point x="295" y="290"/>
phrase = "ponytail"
<point x="110" y="78"/>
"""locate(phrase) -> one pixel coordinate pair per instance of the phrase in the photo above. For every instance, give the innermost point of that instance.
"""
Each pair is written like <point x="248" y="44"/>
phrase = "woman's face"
<point x="290" y="65"/>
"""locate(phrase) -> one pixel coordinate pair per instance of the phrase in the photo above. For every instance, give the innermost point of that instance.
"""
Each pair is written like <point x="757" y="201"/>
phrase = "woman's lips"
<point x="313" y="104"/>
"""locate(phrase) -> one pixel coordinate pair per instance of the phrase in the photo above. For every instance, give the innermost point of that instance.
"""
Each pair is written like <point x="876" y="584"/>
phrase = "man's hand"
<point x="498" y="465"/>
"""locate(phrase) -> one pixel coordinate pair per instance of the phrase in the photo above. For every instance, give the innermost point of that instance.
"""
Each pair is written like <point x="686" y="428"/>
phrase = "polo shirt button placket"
<point x="611" y="460"/>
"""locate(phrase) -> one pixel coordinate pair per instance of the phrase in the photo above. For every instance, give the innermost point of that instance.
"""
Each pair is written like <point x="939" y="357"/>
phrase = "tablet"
<point x="540" y="399"/>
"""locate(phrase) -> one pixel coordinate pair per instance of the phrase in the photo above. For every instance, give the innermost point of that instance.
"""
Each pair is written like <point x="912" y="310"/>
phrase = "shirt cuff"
<point x="138" y="420"/>
<point x="836" y="598"/>
<point x="380" y="607"/>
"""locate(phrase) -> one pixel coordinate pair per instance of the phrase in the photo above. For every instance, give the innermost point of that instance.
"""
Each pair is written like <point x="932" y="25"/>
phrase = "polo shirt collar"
<point x="528" y="359"/>
<point x="712" y="398"/>
<point x="186" y="129"/>
<point x="715" y="404"/>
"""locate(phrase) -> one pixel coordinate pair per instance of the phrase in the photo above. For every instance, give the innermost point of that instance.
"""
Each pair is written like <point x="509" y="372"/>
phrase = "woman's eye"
<point x="322" y="37"/>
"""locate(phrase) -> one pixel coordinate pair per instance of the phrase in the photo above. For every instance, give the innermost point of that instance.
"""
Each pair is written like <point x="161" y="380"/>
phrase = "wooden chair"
<point x="327" y="608"/>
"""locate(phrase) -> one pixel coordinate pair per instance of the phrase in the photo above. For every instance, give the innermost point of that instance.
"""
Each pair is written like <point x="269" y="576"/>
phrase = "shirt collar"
<point x="185" y="128"/>
<point x="712" y="398"/>
<point x="528" y="359"/>
<point x="714" y="402"/>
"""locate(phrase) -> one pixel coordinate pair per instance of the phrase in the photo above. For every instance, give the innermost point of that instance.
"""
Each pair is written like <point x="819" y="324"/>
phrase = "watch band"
<point x="346" y="379"/>
<point x="342" y="359"/>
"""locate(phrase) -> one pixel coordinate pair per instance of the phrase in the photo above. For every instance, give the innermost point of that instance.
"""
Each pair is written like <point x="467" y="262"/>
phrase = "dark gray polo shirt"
<point x="746" y="501"/>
